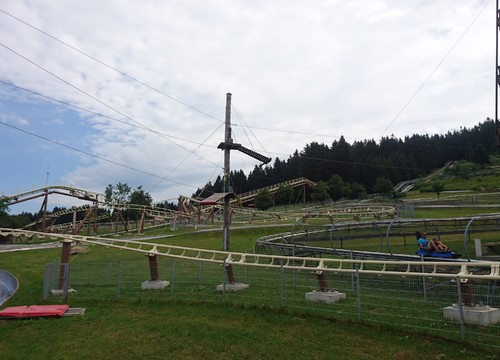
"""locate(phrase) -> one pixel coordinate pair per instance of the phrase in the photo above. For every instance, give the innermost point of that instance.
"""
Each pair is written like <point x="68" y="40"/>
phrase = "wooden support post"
<point x="155" y="283"/>
<point x="44" y="212"/>
<point x="173" y="222"/>
<point x="153" y="267"/>
<point x="323" y="282"/>
<point x="141" y="222"/>
<point x="467" y="295"/>
<point x="65" y="253"/>
<point x="230" y="274"/>
<point x="73" y="230"/>
<point x="96" y="211"/>
<point x="85" y="220"/>
<point x="116" y="221"/>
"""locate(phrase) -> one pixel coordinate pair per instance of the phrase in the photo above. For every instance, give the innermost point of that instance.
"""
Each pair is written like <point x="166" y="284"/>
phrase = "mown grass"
<point x="180" y="328"/>
<point x="149" y="330"/>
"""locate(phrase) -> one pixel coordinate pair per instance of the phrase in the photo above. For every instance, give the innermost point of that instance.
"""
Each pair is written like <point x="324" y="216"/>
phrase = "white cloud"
<point x="328" y="67"/>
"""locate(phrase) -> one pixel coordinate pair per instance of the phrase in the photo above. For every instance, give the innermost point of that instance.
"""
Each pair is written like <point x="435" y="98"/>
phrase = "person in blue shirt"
<point x="425" y="244"/>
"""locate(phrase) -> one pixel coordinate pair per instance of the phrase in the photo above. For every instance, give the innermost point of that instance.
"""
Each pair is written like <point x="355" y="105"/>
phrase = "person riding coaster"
<point x="434" y="248"/>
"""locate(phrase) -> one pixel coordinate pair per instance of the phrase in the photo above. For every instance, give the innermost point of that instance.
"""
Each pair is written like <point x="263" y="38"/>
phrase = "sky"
<point x="99" y="92"/>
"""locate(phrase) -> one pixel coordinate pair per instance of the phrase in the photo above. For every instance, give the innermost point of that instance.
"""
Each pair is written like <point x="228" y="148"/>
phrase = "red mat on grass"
<point x="33" y="311"/>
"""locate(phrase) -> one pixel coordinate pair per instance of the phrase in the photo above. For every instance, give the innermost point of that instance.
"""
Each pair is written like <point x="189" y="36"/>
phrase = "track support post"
<point x="468" y="297"/>
<point x="230" y="274"/>
<point x="153" y="267"/>
<point x="466" y="310"/>
<point x="65" y="254"/>
<point x="230" y="283"/>
<point x="322" y="280"/>
<point x="155" y="283"/>
<point x="63" y="288"/>
<point x="323" y="293"/>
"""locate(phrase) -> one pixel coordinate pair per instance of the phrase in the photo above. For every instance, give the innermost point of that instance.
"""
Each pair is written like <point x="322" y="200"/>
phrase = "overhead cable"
<point x="94" y="156"/>
<point x="91" y="96"/>
<point x="110" y="67"/>
<point x="101" y="115"/>
<point x="435" y="69"/>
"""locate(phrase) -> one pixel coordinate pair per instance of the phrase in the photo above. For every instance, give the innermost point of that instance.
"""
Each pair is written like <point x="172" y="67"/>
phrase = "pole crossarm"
<point x="234" y="146"/>
<point x="481" y="270"/>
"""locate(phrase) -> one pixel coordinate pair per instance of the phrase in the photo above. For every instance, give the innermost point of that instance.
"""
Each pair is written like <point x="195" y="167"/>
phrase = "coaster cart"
<point x="436" y="254"/>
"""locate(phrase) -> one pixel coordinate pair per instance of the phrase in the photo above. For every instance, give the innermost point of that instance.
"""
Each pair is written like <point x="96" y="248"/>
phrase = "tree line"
<point x="352" y="170"/>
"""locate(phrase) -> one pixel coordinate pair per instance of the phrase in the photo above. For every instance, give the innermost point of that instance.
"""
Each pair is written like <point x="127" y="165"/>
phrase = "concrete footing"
<point x="60" y="292"/>
<point x="74" y="312"/>
<point x="231" y="287"/>
<point x="481" y="315"/>
<point x="328" y="297"/>
<point x="154" y="284"/>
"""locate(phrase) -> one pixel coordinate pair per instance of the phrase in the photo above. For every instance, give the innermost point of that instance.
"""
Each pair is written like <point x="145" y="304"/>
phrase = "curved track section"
<point x="55" y="189"/>
<point x="484" y="270"/>
<point x="312" y="241"/>
<point x="8" y="286"/>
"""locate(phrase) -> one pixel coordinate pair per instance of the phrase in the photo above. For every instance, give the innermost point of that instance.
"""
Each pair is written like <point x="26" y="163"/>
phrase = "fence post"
<point x="46" y="284"/>
<point x="352" y="274"/>
<point x="66" y="281"/>
<point x="199" y="271"/>
<point x="224" y="279"/>
<point x="282" y="285"/>
<point x="119" y="281"/>
<point x="460" y="309"/>
<point x="360" y="317"/>
<point x="172" y="280"/>
<point x="424" y="284"/>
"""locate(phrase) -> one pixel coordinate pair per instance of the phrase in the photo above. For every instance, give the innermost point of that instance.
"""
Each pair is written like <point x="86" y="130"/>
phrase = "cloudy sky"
<point x="99" y="92"/>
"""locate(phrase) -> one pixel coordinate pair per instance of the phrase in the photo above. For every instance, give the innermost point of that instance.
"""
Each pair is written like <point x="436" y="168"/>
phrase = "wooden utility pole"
<point x="227" y="146"/>
<point x="227" y="150"/>
<point x="497" y="76"/>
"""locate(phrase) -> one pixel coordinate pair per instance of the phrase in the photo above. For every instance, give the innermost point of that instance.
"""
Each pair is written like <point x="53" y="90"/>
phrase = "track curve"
<point x="8" y="286"/>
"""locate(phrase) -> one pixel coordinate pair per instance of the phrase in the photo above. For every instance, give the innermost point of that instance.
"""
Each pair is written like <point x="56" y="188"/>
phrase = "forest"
<point x="369" y="164"/>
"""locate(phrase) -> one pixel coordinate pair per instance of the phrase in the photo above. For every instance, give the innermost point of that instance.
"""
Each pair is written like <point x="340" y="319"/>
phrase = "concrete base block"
<point x="481" y="315"/>
<point x="154" y="284"/>
<point x="60" y="292"/>
<point x="75" y="312"/>
<point x="231" y="287"/>
<point x="328" y="297"/>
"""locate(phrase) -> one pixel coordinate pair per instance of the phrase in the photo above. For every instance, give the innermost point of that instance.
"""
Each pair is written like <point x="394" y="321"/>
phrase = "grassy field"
<point x="203" y="331"/>
<point x="138" y="329"/>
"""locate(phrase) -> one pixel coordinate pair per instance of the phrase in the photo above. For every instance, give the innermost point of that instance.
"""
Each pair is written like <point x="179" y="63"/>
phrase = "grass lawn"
<point x="140" y="329"/>
<point x="149" y="330"/>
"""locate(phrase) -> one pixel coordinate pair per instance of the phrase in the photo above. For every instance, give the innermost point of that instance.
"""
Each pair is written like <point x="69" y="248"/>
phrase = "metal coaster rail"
<point x="485" y="270"/>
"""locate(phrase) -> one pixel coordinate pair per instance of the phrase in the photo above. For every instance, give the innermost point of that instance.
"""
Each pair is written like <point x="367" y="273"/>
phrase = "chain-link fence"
<point x="427" y="304"/>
